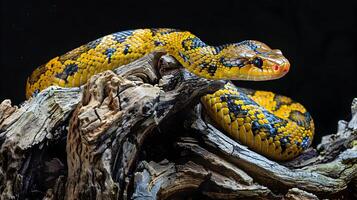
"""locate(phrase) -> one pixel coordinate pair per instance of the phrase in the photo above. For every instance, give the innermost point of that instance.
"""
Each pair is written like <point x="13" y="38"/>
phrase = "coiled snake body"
<point x="271" y="124"/>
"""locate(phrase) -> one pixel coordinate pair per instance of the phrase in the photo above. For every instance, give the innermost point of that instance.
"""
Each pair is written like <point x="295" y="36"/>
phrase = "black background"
<point x="317" y="37"/>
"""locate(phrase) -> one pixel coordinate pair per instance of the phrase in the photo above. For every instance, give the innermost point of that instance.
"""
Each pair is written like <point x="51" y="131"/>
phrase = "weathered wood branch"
<point x="139" y="132"/>
<point x="25" y="135"/>
<point x="329" y="177"/>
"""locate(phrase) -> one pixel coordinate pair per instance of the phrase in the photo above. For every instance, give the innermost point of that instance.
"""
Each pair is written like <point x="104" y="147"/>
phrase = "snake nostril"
<point x="276" y="67"/>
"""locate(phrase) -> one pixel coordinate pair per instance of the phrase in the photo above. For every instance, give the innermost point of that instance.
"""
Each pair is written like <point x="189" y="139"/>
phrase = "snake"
<point x="270" y="124"/>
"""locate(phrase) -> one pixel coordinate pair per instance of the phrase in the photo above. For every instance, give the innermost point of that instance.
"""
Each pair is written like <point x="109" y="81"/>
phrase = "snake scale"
<point x="270" y="124"/>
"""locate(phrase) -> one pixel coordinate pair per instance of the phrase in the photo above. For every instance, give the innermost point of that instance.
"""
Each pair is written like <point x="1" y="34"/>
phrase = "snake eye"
<point x="258" y="62"/>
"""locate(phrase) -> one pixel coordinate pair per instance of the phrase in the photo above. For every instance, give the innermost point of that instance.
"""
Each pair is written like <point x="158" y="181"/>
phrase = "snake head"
<point x="252" y="60"/>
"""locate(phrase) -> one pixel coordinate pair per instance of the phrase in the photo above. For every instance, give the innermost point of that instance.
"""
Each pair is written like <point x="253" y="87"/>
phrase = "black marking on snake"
<point x="69" y="70"/>
<point x="271" y="127"/>
<point x="238" y="62"/>
<point x="283" y="142"/>
<point x="126" y="49"/>
<point x="167" y="31"/>
<point x="194" y="43"/>
<point x="203" y="66"/>
<point x="218" y="49"/>
<point x="212" y="69"/>
<point x="93" y="44"/>
<point x="234" y="108"/>
<point x="158" y="43"/>
<point x="122" y="36"/>
<point x="185" y="57"/>
<point x="305" y="142"/>
<point x="280" y="102"/>
<point x="245" y="98"/>
<point x="302" y="119"/>
<point x="308" y="120"/>
<point x="155" y="31"/>
<point x="109" y="52"/>
<point x="37" y="74"/>
<point x="250" y="44"/>
<point x="256" y="126"/>
<point x="267" y="128"/>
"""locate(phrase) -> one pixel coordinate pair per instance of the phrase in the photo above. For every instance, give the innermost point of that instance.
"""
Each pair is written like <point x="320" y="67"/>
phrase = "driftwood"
<point x="139" y="132"/>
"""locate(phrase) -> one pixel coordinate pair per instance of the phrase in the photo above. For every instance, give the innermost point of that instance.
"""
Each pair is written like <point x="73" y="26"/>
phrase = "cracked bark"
<point x="138" y="132"/>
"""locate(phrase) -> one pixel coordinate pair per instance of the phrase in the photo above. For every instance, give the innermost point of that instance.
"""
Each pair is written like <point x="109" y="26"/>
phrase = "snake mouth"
<point x="275" y="72"/>
<point x="285" y="68"/>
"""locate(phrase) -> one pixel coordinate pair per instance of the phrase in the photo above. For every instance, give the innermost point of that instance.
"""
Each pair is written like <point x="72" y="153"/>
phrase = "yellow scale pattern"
<point x="240" y="127"/>
<point x="248" y="60"/>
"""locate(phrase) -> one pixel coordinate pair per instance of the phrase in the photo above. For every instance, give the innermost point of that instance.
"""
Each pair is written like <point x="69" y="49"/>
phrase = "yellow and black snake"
<point x="271" y="124"/>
